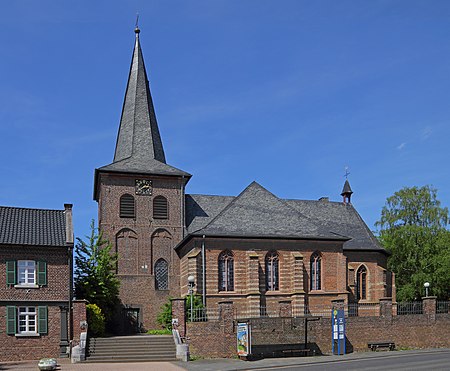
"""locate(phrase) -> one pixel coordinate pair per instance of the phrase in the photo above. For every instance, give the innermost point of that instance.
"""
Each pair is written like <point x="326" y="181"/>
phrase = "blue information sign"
<point x="338" y="331"/>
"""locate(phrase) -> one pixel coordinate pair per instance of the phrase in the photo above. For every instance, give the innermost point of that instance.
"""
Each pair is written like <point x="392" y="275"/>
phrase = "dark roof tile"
<point x="39" y="227"/>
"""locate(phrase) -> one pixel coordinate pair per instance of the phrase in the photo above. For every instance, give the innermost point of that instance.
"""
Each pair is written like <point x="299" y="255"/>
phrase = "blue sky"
<point x="286" y="93"/>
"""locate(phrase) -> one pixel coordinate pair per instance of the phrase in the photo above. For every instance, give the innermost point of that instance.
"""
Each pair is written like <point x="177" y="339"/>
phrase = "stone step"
<point x="132" y="349"/>
<point x="131" y="359"/>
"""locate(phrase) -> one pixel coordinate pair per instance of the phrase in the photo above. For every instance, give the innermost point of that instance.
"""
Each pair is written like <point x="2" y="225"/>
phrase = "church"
<point x="256" y="250"/>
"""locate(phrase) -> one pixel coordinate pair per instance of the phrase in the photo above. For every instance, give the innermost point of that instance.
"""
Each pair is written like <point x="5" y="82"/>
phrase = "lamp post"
<point x="426" y="285"/>
<point x="191" y="285"/>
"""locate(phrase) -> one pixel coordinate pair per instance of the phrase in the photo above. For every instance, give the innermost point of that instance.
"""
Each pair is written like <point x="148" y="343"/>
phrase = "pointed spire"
<point x="346" y="192"/>
<point x="138" y="137"/>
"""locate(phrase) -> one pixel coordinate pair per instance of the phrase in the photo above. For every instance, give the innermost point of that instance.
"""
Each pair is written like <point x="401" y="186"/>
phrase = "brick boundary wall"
<point x="79" y="316"/>
<point x="271" y="335"/>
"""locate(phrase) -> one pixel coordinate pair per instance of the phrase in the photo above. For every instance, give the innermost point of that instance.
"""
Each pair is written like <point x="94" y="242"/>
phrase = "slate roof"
<point x="342" y="218"/>
<point x="38" y="227"/>
<point x="257" y="212"/>
<point x="139" y="148"/>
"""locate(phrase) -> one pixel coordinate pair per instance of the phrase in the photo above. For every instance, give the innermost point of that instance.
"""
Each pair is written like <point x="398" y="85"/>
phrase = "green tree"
<point x="413" y="228"/>
<point x="95" y="279"/>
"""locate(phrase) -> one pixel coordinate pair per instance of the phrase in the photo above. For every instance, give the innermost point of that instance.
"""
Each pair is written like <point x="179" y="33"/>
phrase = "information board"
<point x="243" y="339"/>
<point x="338" y="331"/>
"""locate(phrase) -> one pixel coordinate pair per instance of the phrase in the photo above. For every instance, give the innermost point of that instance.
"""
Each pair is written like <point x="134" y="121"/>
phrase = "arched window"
<point x="226" y="271"/>
<point x="160" y="208"/>
<point x="316" y="271"/>
<point x="127" y="206"/>
<point x="272" y="271"/>
<point x="361" y="283"/>
<point x="161" y="275"/>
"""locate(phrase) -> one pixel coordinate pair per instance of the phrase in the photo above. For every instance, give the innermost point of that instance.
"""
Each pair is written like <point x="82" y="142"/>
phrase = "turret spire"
<point x="346" y="192"/>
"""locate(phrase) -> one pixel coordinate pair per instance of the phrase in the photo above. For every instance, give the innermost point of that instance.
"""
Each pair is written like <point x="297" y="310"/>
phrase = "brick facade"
<point x="54" y="295"/>
<point x="294" y="272"/>
<point x="142" y="240"/>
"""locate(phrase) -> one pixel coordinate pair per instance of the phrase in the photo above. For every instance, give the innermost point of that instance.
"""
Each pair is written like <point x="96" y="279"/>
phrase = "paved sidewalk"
<point x="236" y="364"/>
<point x="65" y="365"/>
<point x="217" y="364"/>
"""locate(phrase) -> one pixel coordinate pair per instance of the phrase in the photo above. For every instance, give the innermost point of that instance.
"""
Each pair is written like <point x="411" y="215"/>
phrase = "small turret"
<point x="346" y="192"/>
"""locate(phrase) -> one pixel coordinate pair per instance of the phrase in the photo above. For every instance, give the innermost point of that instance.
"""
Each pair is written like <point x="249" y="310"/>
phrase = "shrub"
<point x="159" y="332"/>
<point x="164" y="317"/>
<point x="95" y="319"/>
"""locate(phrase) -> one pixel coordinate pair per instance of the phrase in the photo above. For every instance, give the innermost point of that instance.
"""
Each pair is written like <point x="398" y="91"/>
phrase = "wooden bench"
<point x="304" y="352"/>
<point x="381" y="344"/>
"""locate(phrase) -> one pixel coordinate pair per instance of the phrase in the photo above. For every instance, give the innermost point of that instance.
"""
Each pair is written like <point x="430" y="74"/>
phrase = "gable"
<point x="258" y="213"/>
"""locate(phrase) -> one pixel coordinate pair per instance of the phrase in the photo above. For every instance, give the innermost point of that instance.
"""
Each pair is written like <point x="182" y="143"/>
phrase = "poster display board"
<point x="243" y="339"/>
<point x="338" y="331"/>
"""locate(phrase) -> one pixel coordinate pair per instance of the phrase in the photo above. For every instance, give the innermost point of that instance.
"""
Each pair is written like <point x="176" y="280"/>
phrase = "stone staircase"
<point x="139" y="348"/>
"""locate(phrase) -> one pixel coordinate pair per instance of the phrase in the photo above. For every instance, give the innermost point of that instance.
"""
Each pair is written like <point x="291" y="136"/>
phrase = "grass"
<point x="159" y="332"/>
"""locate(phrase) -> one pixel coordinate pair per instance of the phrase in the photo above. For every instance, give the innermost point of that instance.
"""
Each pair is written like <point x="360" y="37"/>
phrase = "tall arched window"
<point x="161" y="275"/>
<point x="272" y="271"/>
<point x="361" y="283"/>
<point x="226" y="271"/>
<point x="127" y="206"/>
<point x="160" y="208"/>
<point x="316" y="271"/>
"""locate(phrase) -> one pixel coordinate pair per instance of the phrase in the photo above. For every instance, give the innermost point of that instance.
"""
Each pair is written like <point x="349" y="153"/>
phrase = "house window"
<point x="160" y="208"/>
<point x="361" y="283"/>
<point x="316" y="271"/>
<point x="27" y="320"/>
<point x="272" y="271"/>
<point x="127" y="206"/>
<point x="26" y="273"/>
<point x="26" y="270"/>
<point x="161" y="275"/>
<point x="226" y="271"/>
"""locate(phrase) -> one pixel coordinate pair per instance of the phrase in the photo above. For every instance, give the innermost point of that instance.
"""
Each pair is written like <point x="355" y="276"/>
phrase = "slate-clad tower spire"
<point x="136" y="137"/>
<point x="139" y="148"/>
<point x="141" y="204"/>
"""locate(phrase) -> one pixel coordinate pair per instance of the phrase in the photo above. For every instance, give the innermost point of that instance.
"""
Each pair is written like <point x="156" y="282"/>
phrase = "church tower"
<point x="141" y="204"/>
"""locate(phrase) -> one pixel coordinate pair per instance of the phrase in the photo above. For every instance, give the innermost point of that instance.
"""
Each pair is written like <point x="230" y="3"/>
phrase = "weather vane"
<point x="347" y="173"/>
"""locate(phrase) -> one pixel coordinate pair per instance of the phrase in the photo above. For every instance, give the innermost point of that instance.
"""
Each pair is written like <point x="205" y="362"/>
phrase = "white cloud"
<point x="401" y="146"/>
<point x="426" y="132"/>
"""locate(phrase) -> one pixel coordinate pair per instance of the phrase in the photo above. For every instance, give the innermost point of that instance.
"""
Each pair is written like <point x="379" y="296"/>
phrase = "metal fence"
<point x="405" y="308"/>
<point x="350" y="310"/>
<point x="202" y="314"/>
<point x="442" y="307"/>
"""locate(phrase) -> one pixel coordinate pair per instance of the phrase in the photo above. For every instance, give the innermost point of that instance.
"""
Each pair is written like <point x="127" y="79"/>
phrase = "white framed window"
<point x="27" y="320"/>
<point x="26" y="272"/>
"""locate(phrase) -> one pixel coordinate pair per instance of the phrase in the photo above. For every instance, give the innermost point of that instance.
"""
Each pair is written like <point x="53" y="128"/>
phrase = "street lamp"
<point x="191" y="285"/>
<point x="426" y="285"/>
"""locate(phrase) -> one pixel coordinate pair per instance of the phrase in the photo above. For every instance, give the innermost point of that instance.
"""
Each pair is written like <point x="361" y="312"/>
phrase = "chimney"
<point x="69" y="223"/>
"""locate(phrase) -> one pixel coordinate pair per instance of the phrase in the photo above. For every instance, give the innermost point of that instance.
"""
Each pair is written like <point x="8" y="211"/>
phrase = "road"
<point x="398" y="362"/>
<point x="432" y="359"/>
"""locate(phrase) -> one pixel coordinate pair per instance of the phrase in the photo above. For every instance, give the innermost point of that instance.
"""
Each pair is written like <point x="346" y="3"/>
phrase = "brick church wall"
<point x="271" y="335"/>
<point x="149" y="240"/>
<point x="250" y="282"/>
